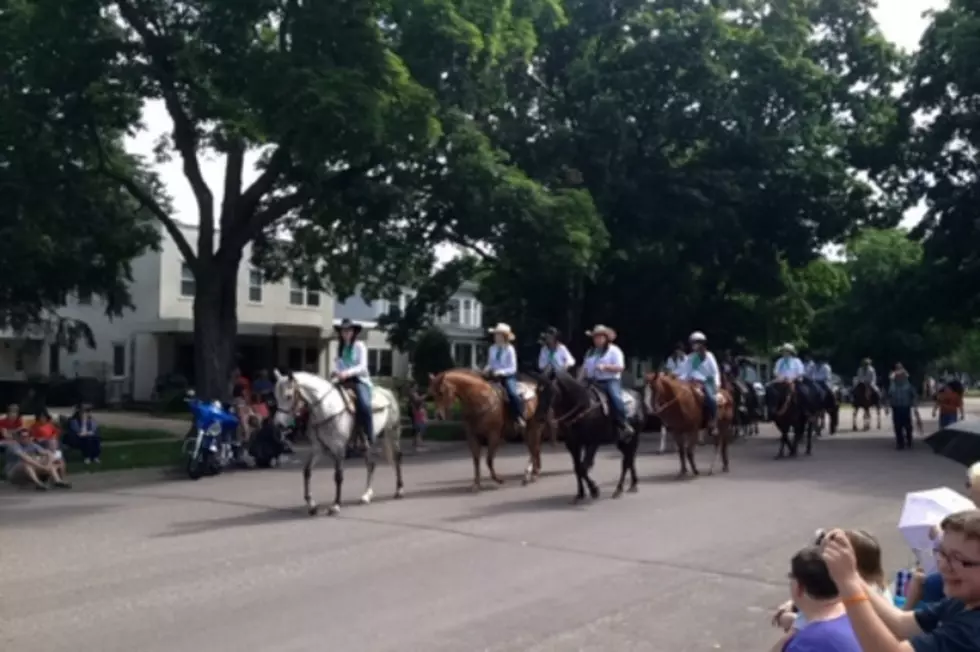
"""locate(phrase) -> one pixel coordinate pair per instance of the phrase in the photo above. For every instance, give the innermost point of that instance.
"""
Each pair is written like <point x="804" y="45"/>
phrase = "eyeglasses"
<point x="956" y="563"/>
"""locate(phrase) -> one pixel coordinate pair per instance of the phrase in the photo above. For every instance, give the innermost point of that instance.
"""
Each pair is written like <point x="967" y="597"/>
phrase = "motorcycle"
<point x="208" y="445"/>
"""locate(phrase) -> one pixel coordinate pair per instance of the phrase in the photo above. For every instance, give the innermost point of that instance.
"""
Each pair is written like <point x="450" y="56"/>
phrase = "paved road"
<point x="232" y="564"/>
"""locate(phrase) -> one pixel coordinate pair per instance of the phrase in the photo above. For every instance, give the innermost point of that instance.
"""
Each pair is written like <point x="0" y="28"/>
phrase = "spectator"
<point x="903" y="399"/>
<point x="44" y="432"/>
<point x="262" y="386"/>
<point x="950" y="625"/>
<point x="816" y="596"/>
<point x="949" y="404"/>
<point x="11" y="423"/>
<point x="419" y="417"/>
<point x="83" y="434"/>
<point x="28" y="463"/>
<point x="973" y="483"/>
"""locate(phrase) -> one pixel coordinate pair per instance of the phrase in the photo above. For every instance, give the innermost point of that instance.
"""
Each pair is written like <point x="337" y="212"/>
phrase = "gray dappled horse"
<point x="331" y="424"/>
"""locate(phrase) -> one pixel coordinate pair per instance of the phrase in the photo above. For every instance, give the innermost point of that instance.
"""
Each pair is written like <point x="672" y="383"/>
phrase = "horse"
<point x="746" y="407"/>
<point x="331" y="424"/>
<point x="485" y="414"/>
<point x="680" y="405"/>
<point x="830" y="407"/>
<point x="583" y="414"/>
<point x="792" y="406"/>
<point x="865" y="397"/>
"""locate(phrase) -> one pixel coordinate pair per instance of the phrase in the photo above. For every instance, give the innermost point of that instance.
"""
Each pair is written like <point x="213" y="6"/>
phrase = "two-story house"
<point x="462" y="323"/>
<point x="279" y="325"/>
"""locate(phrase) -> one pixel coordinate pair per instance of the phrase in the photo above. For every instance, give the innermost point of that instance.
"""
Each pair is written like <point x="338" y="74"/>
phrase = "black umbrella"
<point x="959" y="442"/>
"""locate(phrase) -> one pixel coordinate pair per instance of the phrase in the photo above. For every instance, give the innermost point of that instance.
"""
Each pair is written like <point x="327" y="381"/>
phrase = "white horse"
<point x="331" y="424"/>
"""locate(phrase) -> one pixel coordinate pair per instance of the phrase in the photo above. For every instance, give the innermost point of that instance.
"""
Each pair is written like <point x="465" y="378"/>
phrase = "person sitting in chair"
<point x="702" y="368"/>
<point x="502" y="367"/>
<point x="352" y="370"/>
<point x="604" y="365"/>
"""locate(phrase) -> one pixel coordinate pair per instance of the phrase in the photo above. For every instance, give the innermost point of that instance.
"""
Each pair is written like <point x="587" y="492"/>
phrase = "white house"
<point x="279" y="324"/>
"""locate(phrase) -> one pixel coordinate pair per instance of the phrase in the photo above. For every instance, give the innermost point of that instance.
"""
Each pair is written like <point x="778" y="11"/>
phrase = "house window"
<point x="255" y="285"/>
<point x="452" y="315"/>
<point x="188" y="286"/>
<point x="54" y="360"/>
<point x="381" y="362"/>
<point x="467" y="316"/>
<point x="383" y="307"/>
<point x="463" y="354"/>
<point x="477" y="314"/>
<point x="294" y="359"/>
<point x="19" y="361"/>
<point x="300" y="296"/>
<point x="118" y="360"/>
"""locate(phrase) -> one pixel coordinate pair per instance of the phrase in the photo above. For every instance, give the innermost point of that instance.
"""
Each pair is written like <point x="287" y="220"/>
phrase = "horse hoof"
<point x="312" y="510"/>
<point x="578" y="500"/>
<point x="366" y="498"/>
<point x="475" y="488"/>
<point x="526" y="481"/>
<point x="618" y="493"/>
<point x="334" y="510"/>
<point x="594" y="493"/>
<point x="633" y="489"/>
<point x="499" y="481"/>
<point x="399" y="493"/>
<point x="724" y="469"/>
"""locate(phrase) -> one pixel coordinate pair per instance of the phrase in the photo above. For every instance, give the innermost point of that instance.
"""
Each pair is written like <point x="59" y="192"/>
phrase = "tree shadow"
<point x="35" y="514"/>
<point x="264" y="516"/>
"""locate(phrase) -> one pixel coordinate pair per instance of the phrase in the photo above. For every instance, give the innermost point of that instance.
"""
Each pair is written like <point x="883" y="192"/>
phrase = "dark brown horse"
<point x="485" y="415"/>
<point x="680" y="405"/>
<point x="864" y="398"/>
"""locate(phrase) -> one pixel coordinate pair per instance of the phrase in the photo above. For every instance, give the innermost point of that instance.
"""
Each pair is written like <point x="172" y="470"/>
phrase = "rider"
<point x="821" y="373"/>
<point x="866" y="374"/>
<point x="352" y="370"/>
<point x="701" y="367"/>
<point x="604" y="365"/>
<point x="788" y="366"/>
<point x="554" y="355"/>
<point x="502" y="366"/>
<point x="809" y="366"/>
<point x="675" y="361"/>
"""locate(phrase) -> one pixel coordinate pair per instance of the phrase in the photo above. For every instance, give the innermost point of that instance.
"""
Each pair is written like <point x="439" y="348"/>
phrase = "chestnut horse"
<point x="680" y="405"/>
<point x="485" y="414"/>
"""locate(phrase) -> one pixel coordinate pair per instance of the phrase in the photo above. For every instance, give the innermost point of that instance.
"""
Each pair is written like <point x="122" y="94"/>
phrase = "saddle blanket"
<point x="628" y="399"/>
<point x="378" y="401"/>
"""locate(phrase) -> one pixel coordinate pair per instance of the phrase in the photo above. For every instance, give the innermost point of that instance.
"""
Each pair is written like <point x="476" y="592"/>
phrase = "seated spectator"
<point x="262" y="387"/>
<point x="28" y="463"/>
<point x="44" y="432"/>
<point x="11" y="423"/>
<point x="83" y="434"/>
<point x="950" y="625"/>
<point x="815" y="595"/>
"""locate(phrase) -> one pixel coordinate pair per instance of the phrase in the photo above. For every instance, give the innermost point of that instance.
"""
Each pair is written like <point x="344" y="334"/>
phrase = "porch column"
<point x="322" y="358"/>
<point x="472" y="355"/>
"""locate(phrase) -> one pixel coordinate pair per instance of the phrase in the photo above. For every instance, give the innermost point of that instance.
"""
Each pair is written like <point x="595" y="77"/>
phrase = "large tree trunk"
<point x="215" y="327"/>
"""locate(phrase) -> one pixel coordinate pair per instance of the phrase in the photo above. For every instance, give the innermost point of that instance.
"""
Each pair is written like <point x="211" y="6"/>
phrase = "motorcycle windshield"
<point x="205" y="414"/>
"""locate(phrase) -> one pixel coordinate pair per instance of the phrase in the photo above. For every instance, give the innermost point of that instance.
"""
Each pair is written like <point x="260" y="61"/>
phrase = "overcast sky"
<point x="901" y="21"/>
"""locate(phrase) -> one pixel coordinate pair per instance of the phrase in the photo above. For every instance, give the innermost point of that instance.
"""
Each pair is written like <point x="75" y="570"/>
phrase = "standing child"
<point x="949" y="403"/>
<point x="417" y="406"/>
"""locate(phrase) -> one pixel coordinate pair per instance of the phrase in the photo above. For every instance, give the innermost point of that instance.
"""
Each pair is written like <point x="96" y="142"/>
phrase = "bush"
<point x="432" y="355"/>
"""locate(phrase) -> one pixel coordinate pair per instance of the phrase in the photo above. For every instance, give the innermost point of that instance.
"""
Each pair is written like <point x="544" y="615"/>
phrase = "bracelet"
<point x="856" y="599"/>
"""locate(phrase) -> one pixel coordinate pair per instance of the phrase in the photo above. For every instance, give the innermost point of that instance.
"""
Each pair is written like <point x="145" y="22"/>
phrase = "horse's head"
<point x="777" y="395"/>
<point x="289" y="398"/>
<point x="442" y="390"/>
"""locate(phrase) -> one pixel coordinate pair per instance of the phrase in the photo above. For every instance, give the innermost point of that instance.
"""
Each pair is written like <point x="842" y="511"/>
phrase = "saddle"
<point x="600" y="397"/>
<point x="378" y="402"/>
<point x="526" y="391"/>
<point x="698" y="390"/>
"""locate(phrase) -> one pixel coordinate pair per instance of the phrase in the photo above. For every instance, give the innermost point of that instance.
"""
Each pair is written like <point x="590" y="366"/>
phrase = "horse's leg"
<point x="679" y="444"/>
<point x="623" y="468"/>
<point x="493" y="442"/>
<point x="311" y="461"/>
<point x="338" y="480"/>
<point x="590" y="451"/>
<point x="879" y="417"/>
<point x="854" y="419"/>
<point x="474" y="443"/>
<point x="532" y="437"/>
<point x="663" y="440"/>
<point x="726" y="438"/>
<point x="634" y="447"/>
<point x="691" y="448"/>
<point x="399" y="482"/>
<point x="369" y="464"/>
<point x="575" y="450"/>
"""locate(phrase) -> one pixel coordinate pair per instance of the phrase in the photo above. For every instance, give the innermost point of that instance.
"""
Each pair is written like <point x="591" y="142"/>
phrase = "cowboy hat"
<point x="600" y="329"/>
<point x="697" y="336"/>
<point x="346" y="324"/>
<point x="787" y="347"/>
<point x="899" y="370"/>
<point x="551" y="331"/>
<point x="503" y="329"/>
<point x="866" y="361"/>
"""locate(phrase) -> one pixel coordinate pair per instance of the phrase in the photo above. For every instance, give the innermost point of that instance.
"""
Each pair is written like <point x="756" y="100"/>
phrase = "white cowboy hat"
<point x="697" y="336"/>
<point x="502" y="329"/>
<point x="787" y="347"/>
<point x="600" y="329"/>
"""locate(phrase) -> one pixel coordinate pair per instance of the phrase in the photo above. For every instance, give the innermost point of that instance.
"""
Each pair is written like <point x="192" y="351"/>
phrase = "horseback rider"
<point x="821" y="374"/>
<point x="554" y="355"/>
<point x="603" y="367"/>
<point x="352" y="371"/>
<point x="676" y="360"/>
<point x="808" y="365"/>
<point x="866" y="374"/>
<point x="502" y="367"/>
<point x="702" y="368"/>
<point x="789" y="368"/>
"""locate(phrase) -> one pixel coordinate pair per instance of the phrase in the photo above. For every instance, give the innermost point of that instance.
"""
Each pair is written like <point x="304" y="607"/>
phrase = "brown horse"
<point x="679" y="404"/>
<point x="865" y="397"/>
<point x="485" y="414"/>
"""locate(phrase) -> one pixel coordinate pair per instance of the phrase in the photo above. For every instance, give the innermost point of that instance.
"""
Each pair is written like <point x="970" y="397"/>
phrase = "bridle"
<point x="312" y="402"/>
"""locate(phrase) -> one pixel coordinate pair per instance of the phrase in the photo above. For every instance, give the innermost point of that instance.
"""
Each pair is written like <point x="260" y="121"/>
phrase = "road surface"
<point x="233" y="564"/>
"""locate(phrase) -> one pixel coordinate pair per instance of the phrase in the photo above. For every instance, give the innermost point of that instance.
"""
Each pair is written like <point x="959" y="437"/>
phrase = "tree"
<point x="432" y="354"/>
<point x="941" y="100"/>
<point x="368" y="117"/>
<point x="66" y="230"/>
<point x="719" y="142"/>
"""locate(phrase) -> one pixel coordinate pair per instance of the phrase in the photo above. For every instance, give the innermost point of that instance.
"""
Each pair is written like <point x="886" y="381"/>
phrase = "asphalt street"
<point x="234" y="564"/>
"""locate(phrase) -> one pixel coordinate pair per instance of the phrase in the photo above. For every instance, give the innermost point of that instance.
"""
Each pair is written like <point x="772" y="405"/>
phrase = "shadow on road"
<point x="556" y="502"/>
<point x="264" y="516"/>
<point x="32" y="515"/>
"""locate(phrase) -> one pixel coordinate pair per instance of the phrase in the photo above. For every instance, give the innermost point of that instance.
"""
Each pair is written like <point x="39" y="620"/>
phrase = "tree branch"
<point x="185" y="134"/>
<point x="278" y="163"/>
<point x="234" y="165"/>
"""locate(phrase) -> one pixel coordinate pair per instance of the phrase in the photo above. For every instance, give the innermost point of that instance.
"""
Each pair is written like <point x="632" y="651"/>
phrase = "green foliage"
<point x="432" y="355"/>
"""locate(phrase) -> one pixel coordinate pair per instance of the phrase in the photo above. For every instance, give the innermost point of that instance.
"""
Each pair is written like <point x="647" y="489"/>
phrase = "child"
<point x="417" y="405"/>
<point x="949" y="404"/>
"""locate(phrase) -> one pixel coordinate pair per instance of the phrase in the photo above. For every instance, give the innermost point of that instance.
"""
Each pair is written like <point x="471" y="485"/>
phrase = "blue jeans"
<point x="946" y="420"/>
<point x="710" y="402"/>
<point x="514" y="399"/>
<point x="363" y="393"/>
<point x="614" y="392"/>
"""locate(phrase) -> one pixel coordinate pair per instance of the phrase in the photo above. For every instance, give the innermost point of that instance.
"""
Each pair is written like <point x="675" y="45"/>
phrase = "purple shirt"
<point x="825" y="636"/>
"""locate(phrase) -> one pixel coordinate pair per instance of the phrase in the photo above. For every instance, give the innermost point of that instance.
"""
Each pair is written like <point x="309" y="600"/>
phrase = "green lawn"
<point x="130" y="456"/>
<point x="115" y="434"/>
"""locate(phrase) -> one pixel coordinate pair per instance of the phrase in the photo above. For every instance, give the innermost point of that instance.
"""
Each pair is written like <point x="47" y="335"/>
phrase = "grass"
<point x="114" y="434"/>
<point x="135" y="455"/>
<point x="439" y="431"/>
<point x="973" y="392"/>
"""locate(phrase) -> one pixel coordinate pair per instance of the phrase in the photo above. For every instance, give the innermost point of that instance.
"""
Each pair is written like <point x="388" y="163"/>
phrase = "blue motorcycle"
<point x="207" y="447"/>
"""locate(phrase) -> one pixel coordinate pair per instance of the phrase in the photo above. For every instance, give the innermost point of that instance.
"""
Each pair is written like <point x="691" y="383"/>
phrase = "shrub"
<point x="432" y="355"/>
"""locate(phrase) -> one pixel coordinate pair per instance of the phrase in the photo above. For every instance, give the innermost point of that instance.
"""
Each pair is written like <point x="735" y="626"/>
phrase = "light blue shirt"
<point x="866" y="375"/>
<point x="613" y="355"/>
<point x="789" y="368"/>
<point x="353" y="362"/>
<point x="560" y="358"/>
<point x="821" y="373"/>
<point x="502" y="360"/>
<point x="675" y="365"/>
<point x="702" y="367"/>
